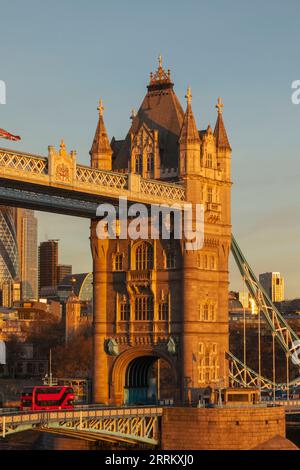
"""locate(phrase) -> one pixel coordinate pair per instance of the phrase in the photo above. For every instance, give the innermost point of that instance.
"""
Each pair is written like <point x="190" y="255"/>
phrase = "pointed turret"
<point x="101" y="152"/>
<point x="189" y="141"/>
<point x="220" y="131"/>
<point x="189" y="132"/>
<point x="222" y="142"/>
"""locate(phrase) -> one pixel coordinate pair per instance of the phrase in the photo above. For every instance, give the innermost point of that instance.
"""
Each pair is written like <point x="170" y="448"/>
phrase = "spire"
<point x="101" y="151"/>
<point x="189" y="132"/>
<point x="220" y="131"/>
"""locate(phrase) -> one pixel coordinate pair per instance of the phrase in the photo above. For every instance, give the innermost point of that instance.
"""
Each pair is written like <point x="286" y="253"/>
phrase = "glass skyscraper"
<point x="9" y="265"/>
<point x="26" y="224"/>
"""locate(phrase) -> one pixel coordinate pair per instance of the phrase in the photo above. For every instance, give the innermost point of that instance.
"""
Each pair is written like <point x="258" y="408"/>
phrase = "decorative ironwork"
<point x="23" y="162"/>
<point x="98" y="177"/>
<point x="134" y="424"/>
<point x="163" y="190"/>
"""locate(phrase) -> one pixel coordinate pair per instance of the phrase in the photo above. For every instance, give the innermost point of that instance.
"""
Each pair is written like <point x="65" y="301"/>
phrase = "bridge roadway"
<point x="129" y="425"/>
<point x="58" y="184"/>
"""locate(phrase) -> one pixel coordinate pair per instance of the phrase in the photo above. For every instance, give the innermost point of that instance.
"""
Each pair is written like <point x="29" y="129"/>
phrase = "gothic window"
<point x="209" y="160"/>
<point x="150" y="162"/>
<point x="199" y="260"/>
<point x="118" y="262"/>
<point x="212" y="312"/>
<point x="171" y="260"/>
<point x="212" y="262"/>
<point x="208" y="362"/>
<point x="200" y="313"/>
<point x="144" y="257"/>
<point x="163" y="311"/>
<point x="143" y="308"/>
<point x="205" y="262"/>
<point x="138" y="164"/>
<point x="124" y="311"/>
<point x="209" y="194"/>
<point x="205" y="312"/>
<point x="201" y="371"/>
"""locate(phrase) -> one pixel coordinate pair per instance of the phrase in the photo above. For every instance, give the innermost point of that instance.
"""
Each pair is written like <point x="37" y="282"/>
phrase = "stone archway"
<point x="138" y="376"/>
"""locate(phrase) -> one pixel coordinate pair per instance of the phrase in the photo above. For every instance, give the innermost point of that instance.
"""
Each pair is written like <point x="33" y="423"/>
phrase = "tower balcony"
<point x="139" y="276"/>
<point x="213" y="212"/>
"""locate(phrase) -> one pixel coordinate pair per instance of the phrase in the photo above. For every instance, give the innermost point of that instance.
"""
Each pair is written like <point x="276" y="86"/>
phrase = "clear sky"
<point x="59" y="57"/>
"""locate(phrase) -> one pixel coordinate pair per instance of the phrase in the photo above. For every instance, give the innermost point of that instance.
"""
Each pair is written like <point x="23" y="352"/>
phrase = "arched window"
<point x="143" y="308"/>
<point x="144" y="257"/>
<point x="138" y="164"/>
<point x="150" y="162"/>
<point x="163" y="311"/>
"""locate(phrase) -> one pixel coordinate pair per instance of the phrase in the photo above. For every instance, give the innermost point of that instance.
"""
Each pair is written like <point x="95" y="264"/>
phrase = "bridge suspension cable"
<point x="281" y="331"/>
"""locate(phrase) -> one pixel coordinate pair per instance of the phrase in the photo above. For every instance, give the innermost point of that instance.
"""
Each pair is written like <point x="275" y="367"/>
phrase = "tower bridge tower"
<point x="161" y="311"/>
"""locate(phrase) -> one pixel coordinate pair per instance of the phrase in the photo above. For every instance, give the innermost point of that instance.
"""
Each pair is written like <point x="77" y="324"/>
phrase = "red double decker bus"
<point x="46" y="397"/>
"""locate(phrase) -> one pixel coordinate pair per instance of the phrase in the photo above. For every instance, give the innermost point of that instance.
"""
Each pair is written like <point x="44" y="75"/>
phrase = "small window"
<point x="212" y="263"/>
<point x="171" y="260"/>
<point x="144" y="257"/>
<point x="209" y="160"/>
<point x="212" y="312"/>
<point x="201" y="348"/>
<point x="163" y="311"/>
<point x="150" y="162"/>
<point x="125" y="311"/>
<point x="200" y="312"/>
<point x="118" y="262"/>
<point x="209" y="194"/>
<point x="144" y="308"/>
<point x="199" y="260"/>
<point x="138" y="164"/>
<point x="205" y="312"/>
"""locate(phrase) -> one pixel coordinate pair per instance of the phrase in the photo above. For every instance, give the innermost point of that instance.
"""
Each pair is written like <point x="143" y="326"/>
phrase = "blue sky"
<point x="59" y="57"/>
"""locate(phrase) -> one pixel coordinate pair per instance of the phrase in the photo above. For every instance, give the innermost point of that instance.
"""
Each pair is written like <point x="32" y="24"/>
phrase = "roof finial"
<point x="160" y="61"/>
<point x="219" y="105"/>
<point x="188" y="95"/>
<point x="62" y="144"/>
<point x="100" y="107"/>
<point x="133" y="114"/>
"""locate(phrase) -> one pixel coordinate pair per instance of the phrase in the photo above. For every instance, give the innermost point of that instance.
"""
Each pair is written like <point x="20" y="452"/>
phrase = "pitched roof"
<point x="160" y="110"/>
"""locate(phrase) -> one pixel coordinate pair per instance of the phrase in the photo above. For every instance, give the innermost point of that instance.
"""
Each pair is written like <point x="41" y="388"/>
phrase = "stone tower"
<point x="161" y="311"/>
